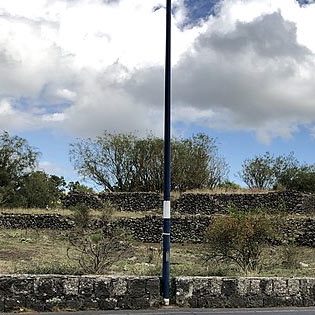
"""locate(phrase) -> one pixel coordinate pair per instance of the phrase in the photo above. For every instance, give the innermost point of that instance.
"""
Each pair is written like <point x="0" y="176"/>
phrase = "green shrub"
<point x="239" y="237"/>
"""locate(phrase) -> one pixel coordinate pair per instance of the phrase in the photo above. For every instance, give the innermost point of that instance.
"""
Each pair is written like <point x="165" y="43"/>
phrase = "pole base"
<point x="166" y="302"/>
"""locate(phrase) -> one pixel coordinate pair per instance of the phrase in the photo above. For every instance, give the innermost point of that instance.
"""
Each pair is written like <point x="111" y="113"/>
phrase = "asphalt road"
<point x="167" y="311"/>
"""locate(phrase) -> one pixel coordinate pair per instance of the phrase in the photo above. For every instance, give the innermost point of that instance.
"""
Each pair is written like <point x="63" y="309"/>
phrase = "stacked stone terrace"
<point x="191" y="203"/>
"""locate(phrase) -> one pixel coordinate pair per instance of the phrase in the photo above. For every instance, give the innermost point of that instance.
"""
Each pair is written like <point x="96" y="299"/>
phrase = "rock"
<point x="303" y="265"/>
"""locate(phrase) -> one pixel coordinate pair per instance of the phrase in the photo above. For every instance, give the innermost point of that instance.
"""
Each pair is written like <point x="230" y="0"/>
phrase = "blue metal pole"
<point x="167" y="161"/>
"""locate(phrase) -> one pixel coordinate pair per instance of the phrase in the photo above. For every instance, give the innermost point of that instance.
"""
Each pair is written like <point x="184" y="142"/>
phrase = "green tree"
<point x="258" y="172"/>
<point x="17" y="159"/>
<point x="105" y="160"/>
<point x="148" y="162"/>
<point x="196" y="163"/>
<point x="121" y="162"/>
<point x="39" y="190"/>
<point x="267" y="171"/>
<point x="299" y="179"/>
<point x="78" y="187"/>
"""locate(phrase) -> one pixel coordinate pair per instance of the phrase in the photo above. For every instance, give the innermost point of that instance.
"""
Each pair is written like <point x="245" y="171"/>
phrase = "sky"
<point x="243" y="72"/>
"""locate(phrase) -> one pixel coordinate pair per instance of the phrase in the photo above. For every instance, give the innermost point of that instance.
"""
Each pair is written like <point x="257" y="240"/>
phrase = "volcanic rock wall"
<point x="288" y="201"/>
<point x="35" y="221"/>
<point x="217" y="292"/>
<point x="20" y="293"/>
<point x="54" y="292"/>
<point x="189" y="228"/>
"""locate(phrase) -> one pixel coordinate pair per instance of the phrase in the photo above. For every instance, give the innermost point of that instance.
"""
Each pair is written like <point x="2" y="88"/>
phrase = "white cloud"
<point x="89" y="65"/>
<point x="64" y="59"/>
<point x="255" y="77"/>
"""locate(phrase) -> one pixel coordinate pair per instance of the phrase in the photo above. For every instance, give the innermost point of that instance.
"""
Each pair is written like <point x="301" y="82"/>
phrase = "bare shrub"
<point x="96" y="249"/>
<point x="290" y="256"/>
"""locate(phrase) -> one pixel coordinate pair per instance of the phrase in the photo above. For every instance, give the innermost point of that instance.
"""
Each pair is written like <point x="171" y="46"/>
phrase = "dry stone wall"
<point x="35" y="221"/>
<point x="133" y="201"/>
<point x="189" y="228"/>
<point x="217" y="292"/>
<point x="53" y="292"/>
<point x="57" y="293"/>
<point x="289" y="201"/>
<point x="149" y="229"/>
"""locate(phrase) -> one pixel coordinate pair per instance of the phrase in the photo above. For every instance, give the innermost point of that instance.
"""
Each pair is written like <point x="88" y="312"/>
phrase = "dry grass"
<point x="61" y="211"/>
<point x="130" y="214"/>
<point x="217" y="191"/>
<point x="66" y="212"/>
<point x="44" y="251"/>
<point x="228" y="191"/>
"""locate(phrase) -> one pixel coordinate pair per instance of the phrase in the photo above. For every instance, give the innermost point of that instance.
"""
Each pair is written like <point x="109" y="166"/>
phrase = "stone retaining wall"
<point x="133" y="201"/>
<point x="147" y="229"/>
<point x="57" y="293"/>
<point x="217" y="292"/>
<point x="35" y="221"/>
<point x="53" y="292"/>
<point x="189" y="228"/>
<point x="292" y="202"/>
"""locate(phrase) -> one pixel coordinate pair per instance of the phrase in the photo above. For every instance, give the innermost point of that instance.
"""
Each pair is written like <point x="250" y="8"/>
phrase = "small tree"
<point x="258" y="172"/>
<point x="196" y="163"/>
<point x="239" y="237"/>
<point x="106" y="160"/>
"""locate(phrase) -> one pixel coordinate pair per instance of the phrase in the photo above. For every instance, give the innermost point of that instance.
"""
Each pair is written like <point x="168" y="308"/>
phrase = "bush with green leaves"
<point x="240" y="238"/>
<point x="301" y="179"/>
<point x="230" y="186"/>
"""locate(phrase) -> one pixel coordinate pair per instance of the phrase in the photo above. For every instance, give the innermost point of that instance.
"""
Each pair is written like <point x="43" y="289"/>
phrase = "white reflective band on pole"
<point x="166" y="209"/>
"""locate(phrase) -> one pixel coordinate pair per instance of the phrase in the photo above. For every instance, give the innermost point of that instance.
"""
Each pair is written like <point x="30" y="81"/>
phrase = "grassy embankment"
<point x="44" y="251"/>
